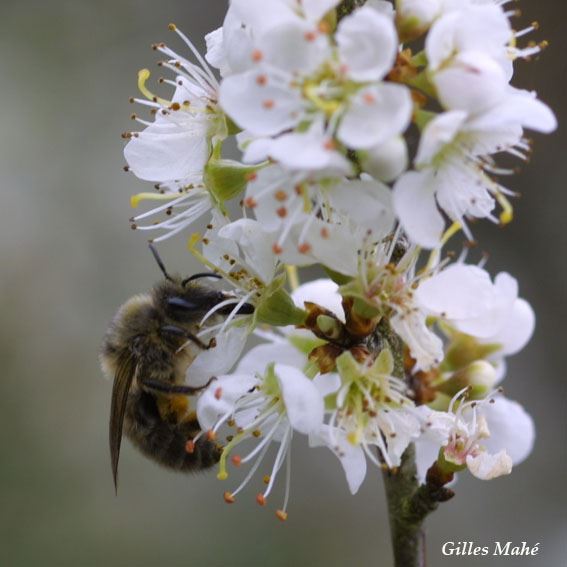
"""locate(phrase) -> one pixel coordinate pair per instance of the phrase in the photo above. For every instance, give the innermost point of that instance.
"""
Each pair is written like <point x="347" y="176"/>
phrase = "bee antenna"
<point x="199" y="276"/>
<point x="155" y="253"/>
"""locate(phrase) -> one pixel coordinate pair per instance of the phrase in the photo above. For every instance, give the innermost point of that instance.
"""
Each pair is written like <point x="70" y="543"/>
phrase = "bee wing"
<point x="123" y="378"/>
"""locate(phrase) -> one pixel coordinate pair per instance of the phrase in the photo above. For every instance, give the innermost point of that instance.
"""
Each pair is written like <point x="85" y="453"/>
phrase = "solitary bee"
<point x="147" y="350"/>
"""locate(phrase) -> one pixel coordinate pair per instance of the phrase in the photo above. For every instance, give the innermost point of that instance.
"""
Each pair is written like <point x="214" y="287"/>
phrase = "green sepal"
<point x="423" y="117"/>
<point x="447" y="467"/>
<point x="277" y="307"/>
<point x="226" y="178"/>
<point x="337" y="277"/>
<point x="305" y="344"/>
<point x="421" y="82"/>
<point x="232" y="128"/>
<point x="420" y="59"/>
<point x="363" y="307"/>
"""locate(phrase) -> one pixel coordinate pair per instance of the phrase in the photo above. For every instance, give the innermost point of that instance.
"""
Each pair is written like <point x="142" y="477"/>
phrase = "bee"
<point x="147" y="350"/>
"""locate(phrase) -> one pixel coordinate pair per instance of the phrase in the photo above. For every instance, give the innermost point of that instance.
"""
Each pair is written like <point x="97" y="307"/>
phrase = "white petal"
<point x="264" y="109"/>
<point x="425" y="346"/>
<point x="518" y="329"/>
<point x="215" y="48"/>
<point x="366" y="202"/>
<point x="473" y="82"/>
<point x="426" y="453"/>
<point x="333" y="245"/>
<point x="351" y="457"/>
<point x="486" y="466"/>
<point x="314" y="10"/>
<point x="303" y="402"/>
<point x="376" y="114"/>
<point x="295" y="47"/>
<point x="308" y="151"/>
<point x="211" y="406"/>
<point x="367" y="43"/>
<point x="324" y="292"/>
<point x="414" y="203"/>
<point x="254" y="14"/>
<point x="458" y="292"/>
<point x="441" y="131"/>
<point x="511" y="428"/>
<point x="257" y="359"/>
<point x="327" y="384"/>
<point x="255" y="245"/>
<point x="387" y="161"/>
<point x="166" y="151"/>
<point x="522" y="108"/>
<point x="220" y="359"/>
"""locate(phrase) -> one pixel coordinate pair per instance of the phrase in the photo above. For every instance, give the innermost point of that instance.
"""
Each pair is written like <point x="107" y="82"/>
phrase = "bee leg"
<point x="173" y="330"/>
<point x="169" y="388"/>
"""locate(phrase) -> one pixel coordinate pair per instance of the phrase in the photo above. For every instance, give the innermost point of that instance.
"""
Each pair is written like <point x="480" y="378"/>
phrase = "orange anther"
<point x="281" y="515"/>
<point x="229" y="498"/>
<point x="261" y="499"/>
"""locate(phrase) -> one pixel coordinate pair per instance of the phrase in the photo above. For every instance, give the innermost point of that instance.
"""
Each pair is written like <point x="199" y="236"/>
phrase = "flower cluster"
<point x="368" y="142"/>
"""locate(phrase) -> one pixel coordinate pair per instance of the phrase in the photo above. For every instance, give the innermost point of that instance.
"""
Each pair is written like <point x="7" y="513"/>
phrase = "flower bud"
<point x="415" y="16"/>
<point x="479" y="377"/>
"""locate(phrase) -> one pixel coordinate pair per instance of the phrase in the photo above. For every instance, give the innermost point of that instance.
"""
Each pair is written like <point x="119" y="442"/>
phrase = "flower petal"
<point x="377" y="113"/>
<point x="263" y="108"/>
<point x="414" y="203"/>
<point x="211" y="406"/>
<point x="511" y="428"/>
<point x="487" y="466"/>
<point x="168" y="151"/>
<point x="257" y="359"/>
<point x="220" y="359"/>
<point x="303" y="402"/>
<point x="367" y="43"/>
<point x="324" y="292"/>
<point x="351" y="457"/>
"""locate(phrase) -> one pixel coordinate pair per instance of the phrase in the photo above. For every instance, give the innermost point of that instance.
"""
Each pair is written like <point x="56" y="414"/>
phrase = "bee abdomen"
<point x="166" y="442"/>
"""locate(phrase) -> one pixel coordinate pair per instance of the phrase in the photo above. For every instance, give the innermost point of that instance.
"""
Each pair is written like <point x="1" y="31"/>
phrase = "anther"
<point x="280" y="196"/>
<point x="218" y="393"/>
<point x="175" y="106"/>
<point x="190" y="446"/>
<point x="172" y="27"/>
<point x="268" y="104"/>
<point x="251" y="176"/>
<point x="304" y="248"/>
<point x="236" y="460"/>
<point x="266" y="479"/>
<point x="310" y="36"/>
<point x="229" y="498"/>
<point x="282" y="212"/>
<point x="325" y="233"/>
<point x="211" y="435"/>
<point x="260" y="498"/>
<point x="277" y="249"/>
<point x="262" y="80"/>
<point x="257" y="433"/>
<point x="250" y="202"/>
<point x="257" y="56"/>
<point x="281" y="515"/>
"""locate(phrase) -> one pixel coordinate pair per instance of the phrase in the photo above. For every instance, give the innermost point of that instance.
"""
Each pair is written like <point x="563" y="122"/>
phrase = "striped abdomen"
<point x="165" y="441"/>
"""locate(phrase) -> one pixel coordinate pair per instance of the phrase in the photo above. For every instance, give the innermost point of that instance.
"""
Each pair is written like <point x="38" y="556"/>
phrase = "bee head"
<point x="183" y="300"/>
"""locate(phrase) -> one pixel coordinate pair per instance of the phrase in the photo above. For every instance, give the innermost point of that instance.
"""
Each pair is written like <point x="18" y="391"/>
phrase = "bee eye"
<point x="199" y="276"/>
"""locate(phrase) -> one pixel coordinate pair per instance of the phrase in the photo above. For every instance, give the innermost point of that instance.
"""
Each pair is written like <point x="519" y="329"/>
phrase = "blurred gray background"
<point x="68" y="259"/>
